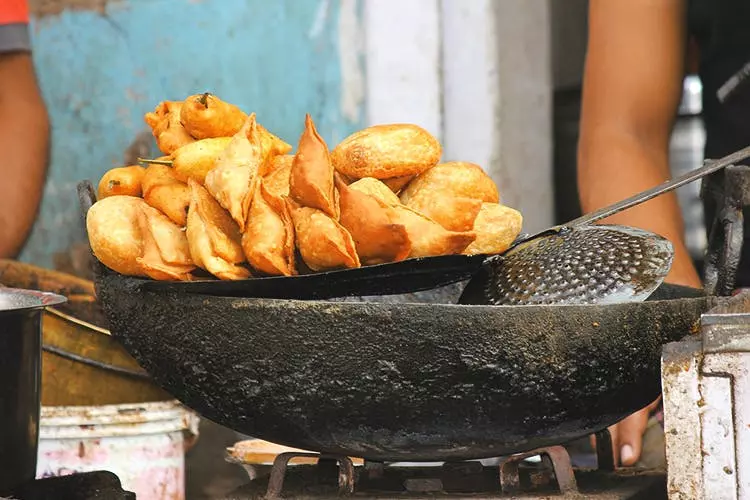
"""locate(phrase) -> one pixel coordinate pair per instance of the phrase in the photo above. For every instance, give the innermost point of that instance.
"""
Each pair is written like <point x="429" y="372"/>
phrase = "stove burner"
<point x="514" y="477"/>
<point x="556" y="456"/>
<point x="278" y="471"/>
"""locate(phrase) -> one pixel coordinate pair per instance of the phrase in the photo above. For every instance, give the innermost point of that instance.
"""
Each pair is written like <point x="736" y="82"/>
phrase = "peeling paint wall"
<point x="103" y="64"/>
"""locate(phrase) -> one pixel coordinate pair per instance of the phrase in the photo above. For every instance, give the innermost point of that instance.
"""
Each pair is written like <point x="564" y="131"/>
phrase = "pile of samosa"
<point x="231" y="199"/>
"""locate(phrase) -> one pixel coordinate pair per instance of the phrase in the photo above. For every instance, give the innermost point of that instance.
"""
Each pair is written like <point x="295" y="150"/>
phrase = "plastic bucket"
<point x="143" y="444"/>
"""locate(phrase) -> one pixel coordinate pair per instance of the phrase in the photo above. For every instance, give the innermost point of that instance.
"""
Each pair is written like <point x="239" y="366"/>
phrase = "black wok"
<point x="400" y="381"/>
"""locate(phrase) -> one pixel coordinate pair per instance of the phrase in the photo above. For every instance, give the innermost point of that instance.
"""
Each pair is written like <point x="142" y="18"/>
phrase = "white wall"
<point x="477" y="73"/>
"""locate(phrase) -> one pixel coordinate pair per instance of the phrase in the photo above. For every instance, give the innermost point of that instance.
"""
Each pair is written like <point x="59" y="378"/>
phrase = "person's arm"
<point x="24" y="131"/>
<point x="631" y="90"/>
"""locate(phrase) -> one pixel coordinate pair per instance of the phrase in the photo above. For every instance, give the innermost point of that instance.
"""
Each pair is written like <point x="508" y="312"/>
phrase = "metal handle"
<point x="708" y="167"/>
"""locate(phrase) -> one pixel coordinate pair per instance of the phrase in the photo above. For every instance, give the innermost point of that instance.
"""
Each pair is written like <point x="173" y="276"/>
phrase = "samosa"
<point x="311" y="177"/>
<point x="370" y="222"/>
<point x="268" y="241"/>
<point x="163" y="191"/>
<point x="323" y="243"/>
<point x="213" y="237"/>
<point x="232" y="180"/>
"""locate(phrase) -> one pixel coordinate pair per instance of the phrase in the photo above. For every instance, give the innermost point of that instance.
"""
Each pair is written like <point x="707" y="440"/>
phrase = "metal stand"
<point x="728" y="192"/>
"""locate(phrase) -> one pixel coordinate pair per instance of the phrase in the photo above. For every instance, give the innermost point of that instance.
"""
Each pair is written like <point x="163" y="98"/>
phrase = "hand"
<point x="627" y="436"/>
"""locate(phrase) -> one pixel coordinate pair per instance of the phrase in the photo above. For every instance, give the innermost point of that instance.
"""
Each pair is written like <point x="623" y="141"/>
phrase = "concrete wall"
<point x="103" y="64"/>
<point x="478" y="74"/>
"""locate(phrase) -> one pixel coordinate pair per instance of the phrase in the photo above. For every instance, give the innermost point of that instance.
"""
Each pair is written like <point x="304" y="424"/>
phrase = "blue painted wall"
<point x="100" y="72"/>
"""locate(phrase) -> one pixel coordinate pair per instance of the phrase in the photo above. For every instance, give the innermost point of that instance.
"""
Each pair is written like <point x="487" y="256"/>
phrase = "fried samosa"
<point x="311" y="177"/>
<point x="376" y="188"/>
<point x="396" y="184"/>
<point x="428" y="238"/>
<point x="323" y="243"/>
<point x="232" y="180"/>
<point x="268" y="241"/>
<point x="387" y="151"/>
<point x="213" y="237"/>
<point x="452" y="212"/>
<point x="163" y="191"/>
<point x="497" y="227"/>
<point x="166" y="127"/>
<point x="205" y="116"/>
<point x="277" y="180"/>
<point x="134" y="239"/>
<point x="370" y="222"/>
<point x="452" y="179"/>
<point x="278" y="162"/>
<point x="125" y="181"/>
<point x="273" y="148"/>
<point x="166" y="255"/>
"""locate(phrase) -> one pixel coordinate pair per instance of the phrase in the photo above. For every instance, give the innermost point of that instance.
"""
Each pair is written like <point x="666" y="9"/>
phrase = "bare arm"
<point x="632" y="86"/>
<point x="24" y="142"/>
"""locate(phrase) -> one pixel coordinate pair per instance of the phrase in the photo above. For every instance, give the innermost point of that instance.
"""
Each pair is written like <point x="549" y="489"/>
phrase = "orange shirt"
<point x="14" y="12"/>
<point x="14" y="26"/>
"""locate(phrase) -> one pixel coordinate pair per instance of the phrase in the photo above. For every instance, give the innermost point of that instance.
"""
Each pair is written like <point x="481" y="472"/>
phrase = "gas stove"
<point x="538" y="474"/>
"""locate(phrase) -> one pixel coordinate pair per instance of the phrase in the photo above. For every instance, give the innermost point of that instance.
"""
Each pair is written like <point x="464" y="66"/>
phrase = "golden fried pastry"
<point x="166" y="126"/>
<point x="132" y="238"/>
<point x="311" y="177"/>
<point x="115" y="234"/>
<point x="195" y="160"/>
<point x="166" y="255"/>
<point x="232" y="180"/>
<point x="268" y="241"/>
<point x="278" y="162"/>
<point x="376" y="188"/>
<point x="452" y="212"/>
<point x="497" y="227"/>
<point x="323" y="243"/>
<point x="163" y="191"/>
<point x="213" y="237"/>
<point x="370" y="223"/>
<point x="125" y="181"/>
<point x="387" y="151"/>
<point x="428" y="238"/>
<point x="396" y="184"/>
<point x="455" y="178"/>
<point x="276" y="181"/>
<point x="205" y="116"/>
<point x="273" y="147"/>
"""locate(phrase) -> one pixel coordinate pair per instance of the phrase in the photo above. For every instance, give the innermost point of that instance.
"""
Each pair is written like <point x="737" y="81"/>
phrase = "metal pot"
<point x="20" y="373"/>
<point x="82" y="365"/>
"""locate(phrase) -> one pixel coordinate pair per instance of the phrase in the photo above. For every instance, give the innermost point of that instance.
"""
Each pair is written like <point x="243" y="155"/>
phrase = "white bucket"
<point x="143" y="444"/>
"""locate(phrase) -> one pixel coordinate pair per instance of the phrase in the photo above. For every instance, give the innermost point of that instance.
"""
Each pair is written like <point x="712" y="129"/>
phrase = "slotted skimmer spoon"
<point x="582" y="263"/>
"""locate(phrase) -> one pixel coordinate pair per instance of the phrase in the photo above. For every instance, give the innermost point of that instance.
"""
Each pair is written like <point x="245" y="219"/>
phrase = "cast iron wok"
<point x="403" y="381"/>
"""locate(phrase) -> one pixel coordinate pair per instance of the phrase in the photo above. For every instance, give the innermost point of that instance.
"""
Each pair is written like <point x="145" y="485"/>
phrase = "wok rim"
<point x="137" y="281"/>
